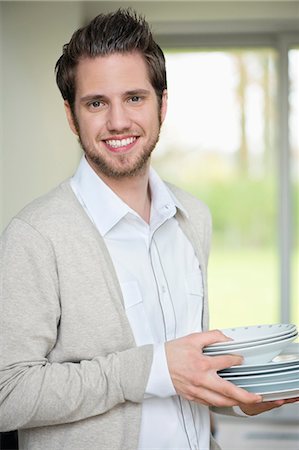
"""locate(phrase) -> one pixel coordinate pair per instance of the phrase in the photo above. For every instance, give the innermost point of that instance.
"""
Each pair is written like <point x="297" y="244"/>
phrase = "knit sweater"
<point x="71" y="375"/>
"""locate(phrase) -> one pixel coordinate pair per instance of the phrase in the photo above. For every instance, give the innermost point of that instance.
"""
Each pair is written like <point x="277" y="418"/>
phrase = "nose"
<point x="118" y="118"/>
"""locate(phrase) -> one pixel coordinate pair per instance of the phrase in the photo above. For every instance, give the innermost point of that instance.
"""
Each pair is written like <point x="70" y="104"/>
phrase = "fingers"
<point x="291" y="400"/>
<point x="203" y="384"/>
<point x="231" y="391"/>
<point x="220" y="395"/>
<point x="194" y="375"/>
<point x="207" y="338"/>
<point x="277" y="403"/>
<point x="252" y="410"/>
<point x="225" y="361"/>
<point x="238" y="394"/>
<point x="255" y="409"/>
<point x="208" y="397"/>
<point x="201" y="340"/>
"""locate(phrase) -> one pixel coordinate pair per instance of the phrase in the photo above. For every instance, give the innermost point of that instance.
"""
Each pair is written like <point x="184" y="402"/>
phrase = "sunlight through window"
<point x="218" y="142"/>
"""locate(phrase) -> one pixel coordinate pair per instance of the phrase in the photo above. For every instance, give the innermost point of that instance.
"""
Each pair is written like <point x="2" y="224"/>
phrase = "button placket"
<point x="167" y="309"/>
<point x="189" y="422"/>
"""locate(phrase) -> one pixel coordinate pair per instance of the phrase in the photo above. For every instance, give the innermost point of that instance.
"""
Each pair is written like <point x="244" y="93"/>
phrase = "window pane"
<point x="294" y="144"/>
<point x="218" y="142"/>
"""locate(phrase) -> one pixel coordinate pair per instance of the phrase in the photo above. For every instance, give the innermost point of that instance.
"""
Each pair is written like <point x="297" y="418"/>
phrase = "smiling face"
<point x="116" y="114"/>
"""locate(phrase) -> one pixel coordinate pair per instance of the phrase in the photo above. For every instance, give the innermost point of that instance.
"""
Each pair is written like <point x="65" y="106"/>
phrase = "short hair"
<point x="122" y="31"/>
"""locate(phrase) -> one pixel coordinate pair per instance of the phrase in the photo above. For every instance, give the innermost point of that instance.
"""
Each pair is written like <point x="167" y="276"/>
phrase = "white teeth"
<point x="117" y="143"/>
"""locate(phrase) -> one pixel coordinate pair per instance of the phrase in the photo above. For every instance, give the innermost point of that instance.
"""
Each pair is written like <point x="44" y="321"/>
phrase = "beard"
<point x="122" y="166"/>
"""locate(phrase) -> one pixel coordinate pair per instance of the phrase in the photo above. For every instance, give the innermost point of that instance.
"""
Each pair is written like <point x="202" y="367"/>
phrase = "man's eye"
<point x="135" y="99"/>
<point x="95" y="104"/>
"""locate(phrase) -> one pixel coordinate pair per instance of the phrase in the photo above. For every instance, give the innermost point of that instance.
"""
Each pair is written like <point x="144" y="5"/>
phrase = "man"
<point x="104" y="308"/>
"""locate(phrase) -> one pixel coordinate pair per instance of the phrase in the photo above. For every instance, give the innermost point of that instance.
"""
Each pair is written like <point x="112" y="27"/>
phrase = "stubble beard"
<point x="122" y="167"/>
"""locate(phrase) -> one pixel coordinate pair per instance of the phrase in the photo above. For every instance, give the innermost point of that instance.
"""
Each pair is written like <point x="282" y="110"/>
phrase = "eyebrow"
<point x="92" y="97"/>
<point x="138" y="92"/>
<point x="99" y="97"/>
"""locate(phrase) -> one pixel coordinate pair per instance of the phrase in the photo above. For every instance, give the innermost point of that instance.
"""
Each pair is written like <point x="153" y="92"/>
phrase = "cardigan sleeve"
<point x="34" y="391"/>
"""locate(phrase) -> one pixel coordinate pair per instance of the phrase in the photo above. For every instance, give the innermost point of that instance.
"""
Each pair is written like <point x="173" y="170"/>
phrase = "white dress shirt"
<point x="162" y="288"/>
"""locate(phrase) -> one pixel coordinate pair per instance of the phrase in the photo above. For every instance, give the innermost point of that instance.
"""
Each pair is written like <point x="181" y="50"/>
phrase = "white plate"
<point x="257" y="355"/>
<point x="233" y="346"/>
<point x="256" y="332"/>
<point x="291" y="375"/>
<point x="265" y="387"/>
<point x="289" y="357"/>
<point x="276" y="392"/>
<point x="279" y="395"/>
<point x="220" y="348"/>
<point x="235" y="374"/>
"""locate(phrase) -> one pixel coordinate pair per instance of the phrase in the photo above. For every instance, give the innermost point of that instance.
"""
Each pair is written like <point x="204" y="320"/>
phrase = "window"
<point x="219" y="142"/>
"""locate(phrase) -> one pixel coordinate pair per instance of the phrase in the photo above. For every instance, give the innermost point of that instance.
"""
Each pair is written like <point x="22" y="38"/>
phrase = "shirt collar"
<point x="102" y="205"/>
<point x="164" y="202"/>
<point x="106" y="209"/>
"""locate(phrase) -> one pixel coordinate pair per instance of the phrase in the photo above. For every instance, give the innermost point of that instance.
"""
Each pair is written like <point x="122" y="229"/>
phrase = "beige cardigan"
<point x="71" y="376"/>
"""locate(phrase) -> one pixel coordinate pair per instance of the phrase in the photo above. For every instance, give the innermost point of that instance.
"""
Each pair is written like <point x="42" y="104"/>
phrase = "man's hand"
<point x="194" y="375"/>
<point x="252" y="410"/>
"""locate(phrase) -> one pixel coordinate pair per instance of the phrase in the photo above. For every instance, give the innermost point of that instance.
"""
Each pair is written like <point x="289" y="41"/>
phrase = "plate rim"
<point x="258" y="372"/>
<point x="262" y="374"/>
<point x="232" y="346"/>
<point x="225" y="330"/>
<point x="263" y="346"/>
<point x="269" y="383"/>
<point x="279" y="395"/>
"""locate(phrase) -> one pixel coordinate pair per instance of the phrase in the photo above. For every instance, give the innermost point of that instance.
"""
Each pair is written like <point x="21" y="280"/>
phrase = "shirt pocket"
<point x="194" y="290"/>
<point x="136" y="312"/>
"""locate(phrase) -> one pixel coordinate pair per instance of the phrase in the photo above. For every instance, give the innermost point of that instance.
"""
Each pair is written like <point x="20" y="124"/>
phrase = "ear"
<point x="70" y="117"/>
<point x="164" y="105"/>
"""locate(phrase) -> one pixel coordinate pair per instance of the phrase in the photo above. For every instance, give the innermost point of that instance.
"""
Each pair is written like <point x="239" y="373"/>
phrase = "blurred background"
<point x="231" y="136"/>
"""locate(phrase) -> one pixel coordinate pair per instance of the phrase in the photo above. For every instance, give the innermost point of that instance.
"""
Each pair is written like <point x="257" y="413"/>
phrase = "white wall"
<point x="190" y="15"/>
<point x="38" y="150"/>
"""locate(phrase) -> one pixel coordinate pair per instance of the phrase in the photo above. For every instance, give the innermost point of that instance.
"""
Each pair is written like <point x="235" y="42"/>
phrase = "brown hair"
<point x="122" y="31"/>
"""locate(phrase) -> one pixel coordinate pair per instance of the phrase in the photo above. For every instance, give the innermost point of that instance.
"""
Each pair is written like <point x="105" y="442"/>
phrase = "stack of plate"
<point x="275" y="380"/>
<point x="257" y="344"/>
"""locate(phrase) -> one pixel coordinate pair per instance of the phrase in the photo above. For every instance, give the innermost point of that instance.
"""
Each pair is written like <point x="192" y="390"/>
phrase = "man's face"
<point x="117" y="117"/>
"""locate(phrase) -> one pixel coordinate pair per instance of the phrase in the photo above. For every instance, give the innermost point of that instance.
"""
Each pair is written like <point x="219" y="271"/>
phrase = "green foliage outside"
<point x="244" y="211"/>
<point x="243" y="287"/>
<point x="244" y="263"/>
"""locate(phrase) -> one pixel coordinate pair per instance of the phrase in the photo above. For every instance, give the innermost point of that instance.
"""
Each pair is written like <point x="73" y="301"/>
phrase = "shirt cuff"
<point x="159" y="383"/>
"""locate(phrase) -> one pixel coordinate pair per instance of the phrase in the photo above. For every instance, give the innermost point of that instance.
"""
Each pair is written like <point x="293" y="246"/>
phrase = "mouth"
<point x="123" y="145"/>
